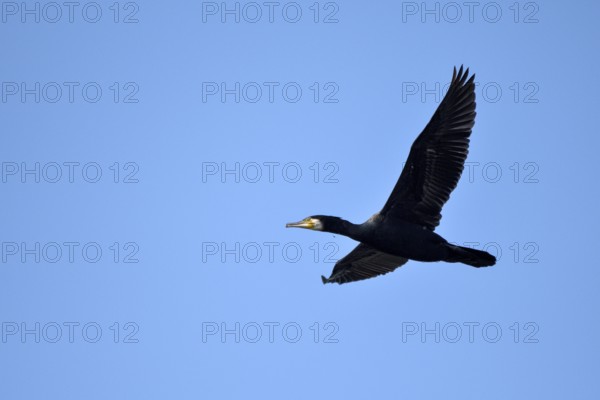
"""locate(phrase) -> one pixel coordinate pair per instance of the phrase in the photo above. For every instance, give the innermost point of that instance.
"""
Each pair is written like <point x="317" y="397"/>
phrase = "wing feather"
<point x="437" y="157"/>
<point x="362" y="263"/>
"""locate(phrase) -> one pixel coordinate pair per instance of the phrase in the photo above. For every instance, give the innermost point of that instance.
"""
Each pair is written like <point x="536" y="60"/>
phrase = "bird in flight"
<point x="404" y="228"/>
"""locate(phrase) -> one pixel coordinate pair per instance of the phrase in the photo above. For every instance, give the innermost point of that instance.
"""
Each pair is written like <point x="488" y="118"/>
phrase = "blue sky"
<point x="151" y="155"/>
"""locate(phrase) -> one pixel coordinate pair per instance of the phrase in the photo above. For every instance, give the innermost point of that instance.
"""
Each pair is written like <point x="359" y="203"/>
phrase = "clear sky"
<point x="151" y="155"/>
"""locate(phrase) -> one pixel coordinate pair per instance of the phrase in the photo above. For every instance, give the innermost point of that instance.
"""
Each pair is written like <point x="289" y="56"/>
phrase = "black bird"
<point x="404" y="228"/>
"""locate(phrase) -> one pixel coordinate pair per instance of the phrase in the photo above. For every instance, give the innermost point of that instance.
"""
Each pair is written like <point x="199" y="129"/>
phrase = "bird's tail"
<point x="472" y="257"/>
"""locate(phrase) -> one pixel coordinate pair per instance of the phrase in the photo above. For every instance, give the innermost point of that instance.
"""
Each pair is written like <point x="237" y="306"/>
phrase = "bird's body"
<point x="396" y="237"/>
<point x="404" y="229"/>
<point x="407" y="240"/>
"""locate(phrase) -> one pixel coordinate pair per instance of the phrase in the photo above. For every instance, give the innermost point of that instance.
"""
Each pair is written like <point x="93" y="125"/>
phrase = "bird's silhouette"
<point x="404" y="228"/>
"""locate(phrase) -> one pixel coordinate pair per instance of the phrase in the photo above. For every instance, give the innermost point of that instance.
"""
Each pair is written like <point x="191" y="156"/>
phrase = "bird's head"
<point x="317" y="223"/>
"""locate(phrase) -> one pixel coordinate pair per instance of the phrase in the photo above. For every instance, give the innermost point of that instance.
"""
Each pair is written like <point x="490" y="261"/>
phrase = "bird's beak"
<point x="305" y="223"/>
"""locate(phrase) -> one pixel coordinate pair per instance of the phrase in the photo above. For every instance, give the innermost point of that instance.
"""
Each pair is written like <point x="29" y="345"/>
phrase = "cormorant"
<point x="404" y="228"/>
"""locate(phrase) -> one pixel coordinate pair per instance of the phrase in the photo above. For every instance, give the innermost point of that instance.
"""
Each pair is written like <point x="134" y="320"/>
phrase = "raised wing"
<point x="436" y="158"/>
<point x="363" y="262"/>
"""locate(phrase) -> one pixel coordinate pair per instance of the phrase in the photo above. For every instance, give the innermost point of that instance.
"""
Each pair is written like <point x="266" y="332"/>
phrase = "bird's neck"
<point x="346" y="228"/>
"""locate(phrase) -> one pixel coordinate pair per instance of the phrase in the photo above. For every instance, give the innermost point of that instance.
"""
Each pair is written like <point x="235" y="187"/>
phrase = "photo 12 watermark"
<point x="525" y="252"/>
<point x="69" y="252"/>
<point x="270" y="92"/>
<point x="270" y="12"/>
<point x="69" y="12"/>
<point x="68" y="332"/>
<point x="453" y="12"/>
<point x="270" y="172"/>
<point x="269" y="252"/>
<point x="526" y="92"/>
<point x="57" y="172"/>
<point x="470" y="332"/>
<point x="69" y="92"/>
<point x="270" y="332"/>
<point x="519" y="172"/>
